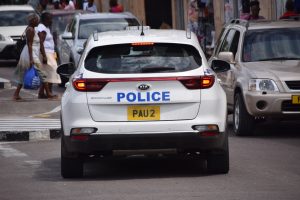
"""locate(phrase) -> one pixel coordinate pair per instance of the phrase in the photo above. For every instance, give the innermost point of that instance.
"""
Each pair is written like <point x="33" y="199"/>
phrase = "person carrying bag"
<point x="30" y="56"/>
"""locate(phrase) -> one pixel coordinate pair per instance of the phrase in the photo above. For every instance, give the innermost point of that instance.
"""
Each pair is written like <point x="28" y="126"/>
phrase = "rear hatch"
<point x="125" y="86"/>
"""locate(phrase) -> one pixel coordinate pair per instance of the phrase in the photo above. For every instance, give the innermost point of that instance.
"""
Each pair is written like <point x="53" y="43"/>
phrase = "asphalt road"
<point x="263" y="166"/>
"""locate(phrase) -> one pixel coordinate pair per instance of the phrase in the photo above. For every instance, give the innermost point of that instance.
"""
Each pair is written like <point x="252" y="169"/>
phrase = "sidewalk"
<point x="29" y="119"/>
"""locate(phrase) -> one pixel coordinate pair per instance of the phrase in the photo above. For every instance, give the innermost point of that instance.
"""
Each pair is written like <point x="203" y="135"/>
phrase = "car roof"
<point x="65" y="12"/>
<point x="16" y="7"/>
<point x="152" y="35"/>
<point x="273" y="24"/>
<point x="105" y="15"/>
<point x="264" y="24"/>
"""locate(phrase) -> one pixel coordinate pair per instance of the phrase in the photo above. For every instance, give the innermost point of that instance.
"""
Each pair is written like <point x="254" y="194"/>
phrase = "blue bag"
<point x="31" y="79"/>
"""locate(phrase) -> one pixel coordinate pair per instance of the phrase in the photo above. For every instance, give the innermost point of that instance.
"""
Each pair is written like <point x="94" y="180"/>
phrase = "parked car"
<point x="13" y="22"/>
<point x="83" y="25"/>
<point x="264" y="76"/>
<point x="143" y="92"/>
<point x="70" y="44"/>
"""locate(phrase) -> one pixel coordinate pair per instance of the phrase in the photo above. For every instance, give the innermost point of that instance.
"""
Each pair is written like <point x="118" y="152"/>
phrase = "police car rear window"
<point x="143" y="58"/>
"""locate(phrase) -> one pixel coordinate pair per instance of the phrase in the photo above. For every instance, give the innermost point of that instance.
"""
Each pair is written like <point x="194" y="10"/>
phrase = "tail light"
<point x="190" y="82"/>
<point x="198" y="82"/>
<point x="89" y="85"/>
<point x="142" y="44"/>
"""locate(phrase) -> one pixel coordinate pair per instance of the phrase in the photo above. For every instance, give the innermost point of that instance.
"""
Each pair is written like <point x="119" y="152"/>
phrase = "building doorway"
<point x="158" y="12"/>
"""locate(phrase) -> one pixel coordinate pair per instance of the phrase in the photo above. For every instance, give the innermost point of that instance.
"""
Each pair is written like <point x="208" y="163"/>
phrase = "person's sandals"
<point x="18" y="98"/>
<point x="52" y="97"/>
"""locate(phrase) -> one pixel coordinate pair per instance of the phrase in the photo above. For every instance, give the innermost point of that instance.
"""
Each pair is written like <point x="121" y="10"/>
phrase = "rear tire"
<point x="243" y="122"/>
<point x="71" y="167"/>
<point x="218" y="162"/>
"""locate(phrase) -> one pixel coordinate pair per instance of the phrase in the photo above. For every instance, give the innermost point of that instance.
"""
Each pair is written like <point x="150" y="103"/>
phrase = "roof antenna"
<point x="142" y="33"/>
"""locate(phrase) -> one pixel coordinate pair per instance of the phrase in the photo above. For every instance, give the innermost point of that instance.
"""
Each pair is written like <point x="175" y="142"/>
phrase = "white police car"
<point x="143" y="92"/>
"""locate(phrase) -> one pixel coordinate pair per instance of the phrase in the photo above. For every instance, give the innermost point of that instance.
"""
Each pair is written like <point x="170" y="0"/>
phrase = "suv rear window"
<point x="150" y="58"/>
<point x="272" y="44"/>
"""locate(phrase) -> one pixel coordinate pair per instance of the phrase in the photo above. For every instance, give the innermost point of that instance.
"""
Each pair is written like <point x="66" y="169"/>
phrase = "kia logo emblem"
<point x="144" y="87"/>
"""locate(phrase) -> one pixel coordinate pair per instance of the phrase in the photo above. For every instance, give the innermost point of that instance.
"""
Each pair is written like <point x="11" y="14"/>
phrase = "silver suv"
<point x="263" y="80"/>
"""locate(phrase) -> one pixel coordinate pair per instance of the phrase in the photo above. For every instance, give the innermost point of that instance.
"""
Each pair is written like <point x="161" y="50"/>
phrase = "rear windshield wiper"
<point x="149" y="69"/>
<point x="280" y="58"/>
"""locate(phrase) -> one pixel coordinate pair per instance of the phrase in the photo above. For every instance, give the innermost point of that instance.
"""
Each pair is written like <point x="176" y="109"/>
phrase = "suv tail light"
<point x="89" y="85"/>
<point x="198" y="82"/>
<point x="190" y="82"/>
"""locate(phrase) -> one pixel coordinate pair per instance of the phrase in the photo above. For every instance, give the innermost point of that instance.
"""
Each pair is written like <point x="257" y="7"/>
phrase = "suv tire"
<point x="218" y="162"/>
<point x="243" y="122"/>
<point x="70" y="167"/>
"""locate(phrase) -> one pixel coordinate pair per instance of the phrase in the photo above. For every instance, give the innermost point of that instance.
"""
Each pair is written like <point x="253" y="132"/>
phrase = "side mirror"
<point x="226" y="56"/>
<point x="220" y="66"/>
<point x="67" y="36"/>
<point x="66" y="70"/>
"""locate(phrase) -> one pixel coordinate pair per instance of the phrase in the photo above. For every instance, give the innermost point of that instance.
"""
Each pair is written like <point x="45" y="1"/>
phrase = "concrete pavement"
<point x="29" y="119"/>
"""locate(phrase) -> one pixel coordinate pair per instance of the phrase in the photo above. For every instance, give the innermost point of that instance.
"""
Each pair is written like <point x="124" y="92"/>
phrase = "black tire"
<point x="71" y="167"/>
<point x="243" y="122"/>
<point x="218" y="162"/>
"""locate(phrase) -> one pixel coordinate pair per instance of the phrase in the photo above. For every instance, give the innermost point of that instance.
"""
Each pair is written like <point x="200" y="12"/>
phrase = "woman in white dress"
<point x="47" y="49"/>
<point x="30" y="56"/>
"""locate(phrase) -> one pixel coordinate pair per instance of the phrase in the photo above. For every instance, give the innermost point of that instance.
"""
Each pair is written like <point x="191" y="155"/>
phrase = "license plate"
<point x="295" y="99"/>
<point x="143" y="113"/>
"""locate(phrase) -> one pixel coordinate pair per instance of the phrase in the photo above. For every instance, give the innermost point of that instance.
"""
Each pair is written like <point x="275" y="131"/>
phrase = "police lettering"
<point x="143" y="96"/>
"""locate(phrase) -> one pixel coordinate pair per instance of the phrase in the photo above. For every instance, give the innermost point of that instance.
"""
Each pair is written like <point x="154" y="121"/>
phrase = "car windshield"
<point x="151" y="58"/>
<point x="87" y="27"/>
<point x="272" y="44"/>
<point x="14" y="18"/>
<point x="59" y="22"/>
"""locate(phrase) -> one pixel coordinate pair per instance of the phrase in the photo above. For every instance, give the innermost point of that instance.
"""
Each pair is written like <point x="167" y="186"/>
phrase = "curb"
<point x="4" y="83"/>
<point x="30" y="135"/>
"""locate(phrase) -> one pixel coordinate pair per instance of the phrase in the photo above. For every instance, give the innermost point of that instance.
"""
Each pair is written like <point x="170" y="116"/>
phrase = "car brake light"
<point x="191" y="82"/>
<point x="142" y="44"/>
<point x="80" y="137"/>
<point x="88" y="85"/>
<point x="199" y="82"/>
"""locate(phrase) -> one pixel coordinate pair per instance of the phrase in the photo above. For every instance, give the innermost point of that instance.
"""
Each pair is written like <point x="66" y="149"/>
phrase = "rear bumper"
<point x="182" y="142"/>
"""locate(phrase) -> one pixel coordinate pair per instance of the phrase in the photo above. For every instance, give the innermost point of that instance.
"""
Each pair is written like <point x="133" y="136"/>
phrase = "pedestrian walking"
<point x="91" y="6"/>
<point x="49" y="64"/>
<point x="254" y="8"/>
<point x="30" y="56"/>
<point x="70" y="5"/>
<point x="57" y="4"/>
<point x="115" y="7"/>
<point x="290" y="10"/>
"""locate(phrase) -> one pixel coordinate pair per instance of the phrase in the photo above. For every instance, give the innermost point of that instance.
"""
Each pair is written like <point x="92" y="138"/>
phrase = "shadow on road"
<point x="126" y="169"/>
<point x="274" y="129"/>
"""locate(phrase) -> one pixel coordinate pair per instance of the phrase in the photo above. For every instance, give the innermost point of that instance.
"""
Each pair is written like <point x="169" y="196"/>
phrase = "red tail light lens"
<point x="89" y="85"/>
<point x="80" y="137"/>
<point x="191" y="82"/>
<point x="199" y="82"/>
